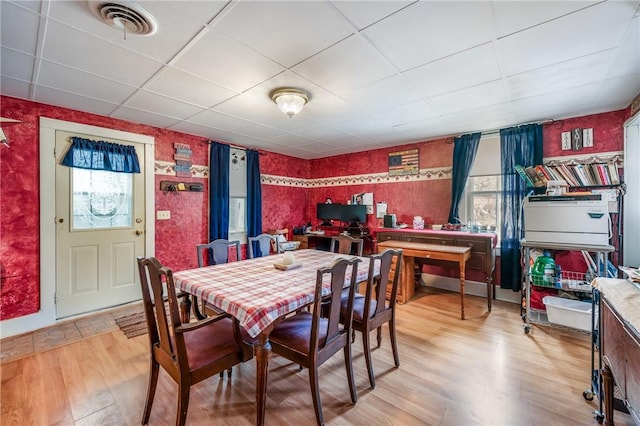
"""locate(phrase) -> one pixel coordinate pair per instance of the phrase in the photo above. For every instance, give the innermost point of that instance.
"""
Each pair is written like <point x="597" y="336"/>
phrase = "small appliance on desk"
<point x="389" y="220"/>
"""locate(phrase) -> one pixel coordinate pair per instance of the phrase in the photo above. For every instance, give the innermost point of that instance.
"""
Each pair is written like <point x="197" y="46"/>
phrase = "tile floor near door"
<point x="12" y="348"/>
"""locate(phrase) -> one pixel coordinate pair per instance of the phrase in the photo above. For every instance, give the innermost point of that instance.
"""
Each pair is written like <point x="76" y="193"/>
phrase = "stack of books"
<point x="596" y="174"/>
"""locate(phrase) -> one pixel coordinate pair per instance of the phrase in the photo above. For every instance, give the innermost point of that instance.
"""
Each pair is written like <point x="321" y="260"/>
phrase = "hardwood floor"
<point x="481" y="371"/>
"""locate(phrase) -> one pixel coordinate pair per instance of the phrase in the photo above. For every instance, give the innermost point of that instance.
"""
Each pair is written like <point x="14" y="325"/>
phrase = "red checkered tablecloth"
<point x="255" y="292"/>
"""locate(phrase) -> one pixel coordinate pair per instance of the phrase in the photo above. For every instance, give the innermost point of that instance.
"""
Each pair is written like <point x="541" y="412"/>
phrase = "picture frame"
<point x="402" y="163"/>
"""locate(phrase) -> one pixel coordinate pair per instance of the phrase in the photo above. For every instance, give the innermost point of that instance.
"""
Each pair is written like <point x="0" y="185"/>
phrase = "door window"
<point x="101" y="199"/>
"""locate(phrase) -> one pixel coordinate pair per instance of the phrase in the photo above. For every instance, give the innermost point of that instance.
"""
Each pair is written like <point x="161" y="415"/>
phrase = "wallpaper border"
<point x="166" y="168"/>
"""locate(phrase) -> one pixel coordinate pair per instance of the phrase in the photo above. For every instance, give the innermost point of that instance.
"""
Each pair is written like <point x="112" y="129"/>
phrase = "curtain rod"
<point x="208" y="142"/>
<point x="497" y="131"/>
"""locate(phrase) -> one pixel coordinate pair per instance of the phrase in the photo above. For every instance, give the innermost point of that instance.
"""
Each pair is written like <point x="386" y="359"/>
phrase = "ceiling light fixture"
<point x="290" y="101"/>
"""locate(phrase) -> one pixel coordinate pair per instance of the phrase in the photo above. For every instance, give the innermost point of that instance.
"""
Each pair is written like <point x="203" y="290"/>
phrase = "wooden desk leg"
<point x="407" y="278"/>
<point x="490" y="294"/>
<point x="607" y="394"/>
<point x="462" y="266"/>
<point x="263" y="347"/>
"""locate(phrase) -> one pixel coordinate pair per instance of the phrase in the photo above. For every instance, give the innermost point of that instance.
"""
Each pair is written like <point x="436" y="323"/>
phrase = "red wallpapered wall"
<point x="284" y="204"/>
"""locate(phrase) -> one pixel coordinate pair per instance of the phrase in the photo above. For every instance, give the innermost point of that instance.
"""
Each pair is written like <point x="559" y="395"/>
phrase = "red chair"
<point x="189" y="352"/>
<point x="309" y="339"/>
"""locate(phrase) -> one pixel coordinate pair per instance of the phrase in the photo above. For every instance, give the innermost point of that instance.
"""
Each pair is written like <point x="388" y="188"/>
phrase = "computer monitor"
<point x="329" y="212"/>
<point x="354" y="214"/>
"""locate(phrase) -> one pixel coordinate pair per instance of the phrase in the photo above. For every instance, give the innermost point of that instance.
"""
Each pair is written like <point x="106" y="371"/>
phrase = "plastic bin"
<point x="568" y="312"/>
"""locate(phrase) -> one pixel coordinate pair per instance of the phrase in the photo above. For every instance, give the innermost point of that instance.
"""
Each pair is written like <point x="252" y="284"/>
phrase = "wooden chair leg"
<point x="394" y="341"/>
<point x="367" y="357"/>
<point x="315" y="393"/>
<point x="349" y="365"/>
<point x="183" y="403"/>
<point x="379" y="336"/>
<point x="151" y="391"/>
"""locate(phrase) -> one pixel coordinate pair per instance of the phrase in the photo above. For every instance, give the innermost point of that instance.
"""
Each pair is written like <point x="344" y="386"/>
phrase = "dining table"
<point x="259" y="294"/>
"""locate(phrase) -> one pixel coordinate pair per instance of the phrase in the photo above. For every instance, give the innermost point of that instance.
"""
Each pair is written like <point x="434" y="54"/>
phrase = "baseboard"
<point x="474" y="288"/>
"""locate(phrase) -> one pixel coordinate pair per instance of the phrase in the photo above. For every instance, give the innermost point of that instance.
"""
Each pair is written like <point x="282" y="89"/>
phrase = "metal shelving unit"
<point x="576" y="282"/>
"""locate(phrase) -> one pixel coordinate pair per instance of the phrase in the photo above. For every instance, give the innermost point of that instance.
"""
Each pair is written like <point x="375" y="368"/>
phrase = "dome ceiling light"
<point x="290" y="101"/>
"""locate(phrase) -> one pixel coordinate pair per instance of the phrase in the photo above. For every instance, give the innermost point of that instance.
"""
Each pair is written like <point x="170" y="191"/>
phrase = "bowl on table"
<point x="436" y="227"/>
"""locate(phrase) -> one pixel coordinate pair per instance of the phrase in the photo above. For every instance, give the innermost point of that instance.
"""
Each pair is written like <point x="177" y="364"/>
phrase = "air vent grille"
<point x="129" y="17"/>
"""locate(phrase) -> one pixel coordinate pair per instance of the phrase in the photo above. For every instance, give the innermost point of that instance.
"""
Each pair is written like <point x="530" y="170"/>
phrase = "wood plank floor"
<point x="481" y="371"/>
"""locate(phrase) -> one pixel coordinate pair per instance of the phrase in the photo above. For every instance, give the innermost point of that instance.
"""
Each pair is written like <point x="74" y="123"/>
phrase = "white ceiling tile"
<point x="426" y="31"/>
<point x="179" y="85"/>
<point x="628" y="60"/>
<point x="363" y="13"/>
<point x="560" y="39"/>
<point x="151" y="102"/>
<point x="514" y="16"/>
<point x="464" y="69"/>
<point x="70" y="80"/>
<point x="557" y="105"/>
<point x="258" y="131"/>
<point x="415" y="111"/>
<point x="384" y="95"/>
<point x="617" y="93"/>
<point x="47" y="95"/>
<point x="198" y="130"/>
<point x="16" y="65"/>
<point x="564" y="75"/>
<point x="222" y="60"/>
<point x="310" y="27"/>
<point x="178" y="22"/>
<point x="16" y="88"/>
<point x="218" y="120"/>
<point x="144" y="117"/>
<point x="350" y="64"/>
<point x="486" y="94"/>
<point x="77" y="50"/>
<point x="18" y="27"/>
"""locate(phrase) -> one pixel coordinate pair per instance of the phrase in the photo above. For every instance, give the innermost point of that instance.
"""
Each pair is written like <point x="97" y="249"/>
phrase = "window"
<point x="101" y="199"/>
<point x="237" y="195"/>
<point x="482" y="200"/>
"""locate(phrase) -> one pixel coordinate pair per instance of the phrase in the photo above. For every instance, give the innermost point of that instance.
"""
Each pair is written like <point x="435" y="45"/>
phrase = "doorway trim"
<point x="46" y="316"/>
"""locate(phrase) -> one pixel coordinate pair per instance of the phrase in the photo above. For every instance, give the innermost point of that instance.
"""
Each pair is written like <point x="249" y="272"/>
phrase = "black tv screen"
<point x="329" y="211"/>
<point x="354" y="213"/>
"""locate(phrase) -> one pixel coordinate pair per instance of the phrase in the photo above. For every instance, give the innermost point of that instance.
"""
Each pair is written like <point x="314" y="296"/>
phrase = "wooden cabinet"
<point x="304" y="241"/>
<point x="620" y="348"/>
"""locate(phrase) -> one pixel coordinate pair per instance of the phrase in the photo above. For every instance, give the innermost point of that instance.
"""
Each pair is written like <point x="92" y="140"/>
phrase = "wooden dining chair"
<point x="189" y="352"/>
<point x="344" y="244"/>
<point x="309" y="339"/>
<point x="372" y="310"/>
<point x="217" y="252"/>
<point x="264" y="243"/>
<point x="214" y="253"/>
<point x="279" y="235"/>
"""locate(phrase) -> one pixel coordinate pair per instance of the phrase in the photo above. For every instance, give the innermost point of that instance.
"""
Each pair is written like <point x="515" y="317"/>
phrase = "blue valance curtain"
<point x="519" y="146"/>
<point x="254" y="198"/>
<point x="218" y="191"/>
<point x="464" y="154"/>
<point x="101" y="155"/>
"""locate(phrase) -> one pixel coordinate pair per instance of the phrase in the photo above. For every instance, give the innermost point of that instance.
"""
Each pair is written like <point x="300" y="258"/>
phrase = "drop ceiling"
<point x="378" y="73"/>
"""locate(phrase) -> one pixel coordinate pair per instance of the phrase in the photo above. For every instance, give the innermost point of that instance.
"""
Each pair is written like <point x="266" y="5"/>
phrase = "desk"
<point x="323" y="242"/>
<point x="259" y="295"/>
<point x="620" y="344"/>
<point x="482" y="246"/>
<point x="411" y="250"/>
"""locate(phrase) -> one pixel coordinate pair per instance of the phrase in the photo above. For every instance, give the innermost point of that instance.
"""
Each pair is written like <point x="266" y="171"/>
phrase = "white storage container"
<point x="568" y="312"/>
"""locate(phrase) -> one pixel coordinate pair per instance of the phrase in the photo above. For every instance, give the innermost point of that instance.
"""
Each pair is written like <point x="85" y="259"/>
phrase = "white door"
<point x="100" y="230"/>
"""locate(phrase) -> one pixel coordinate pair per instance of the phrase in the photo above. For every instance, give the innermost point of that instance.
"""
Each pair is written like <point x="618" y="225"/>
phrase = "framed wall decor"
<point x="403" y="163"/>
